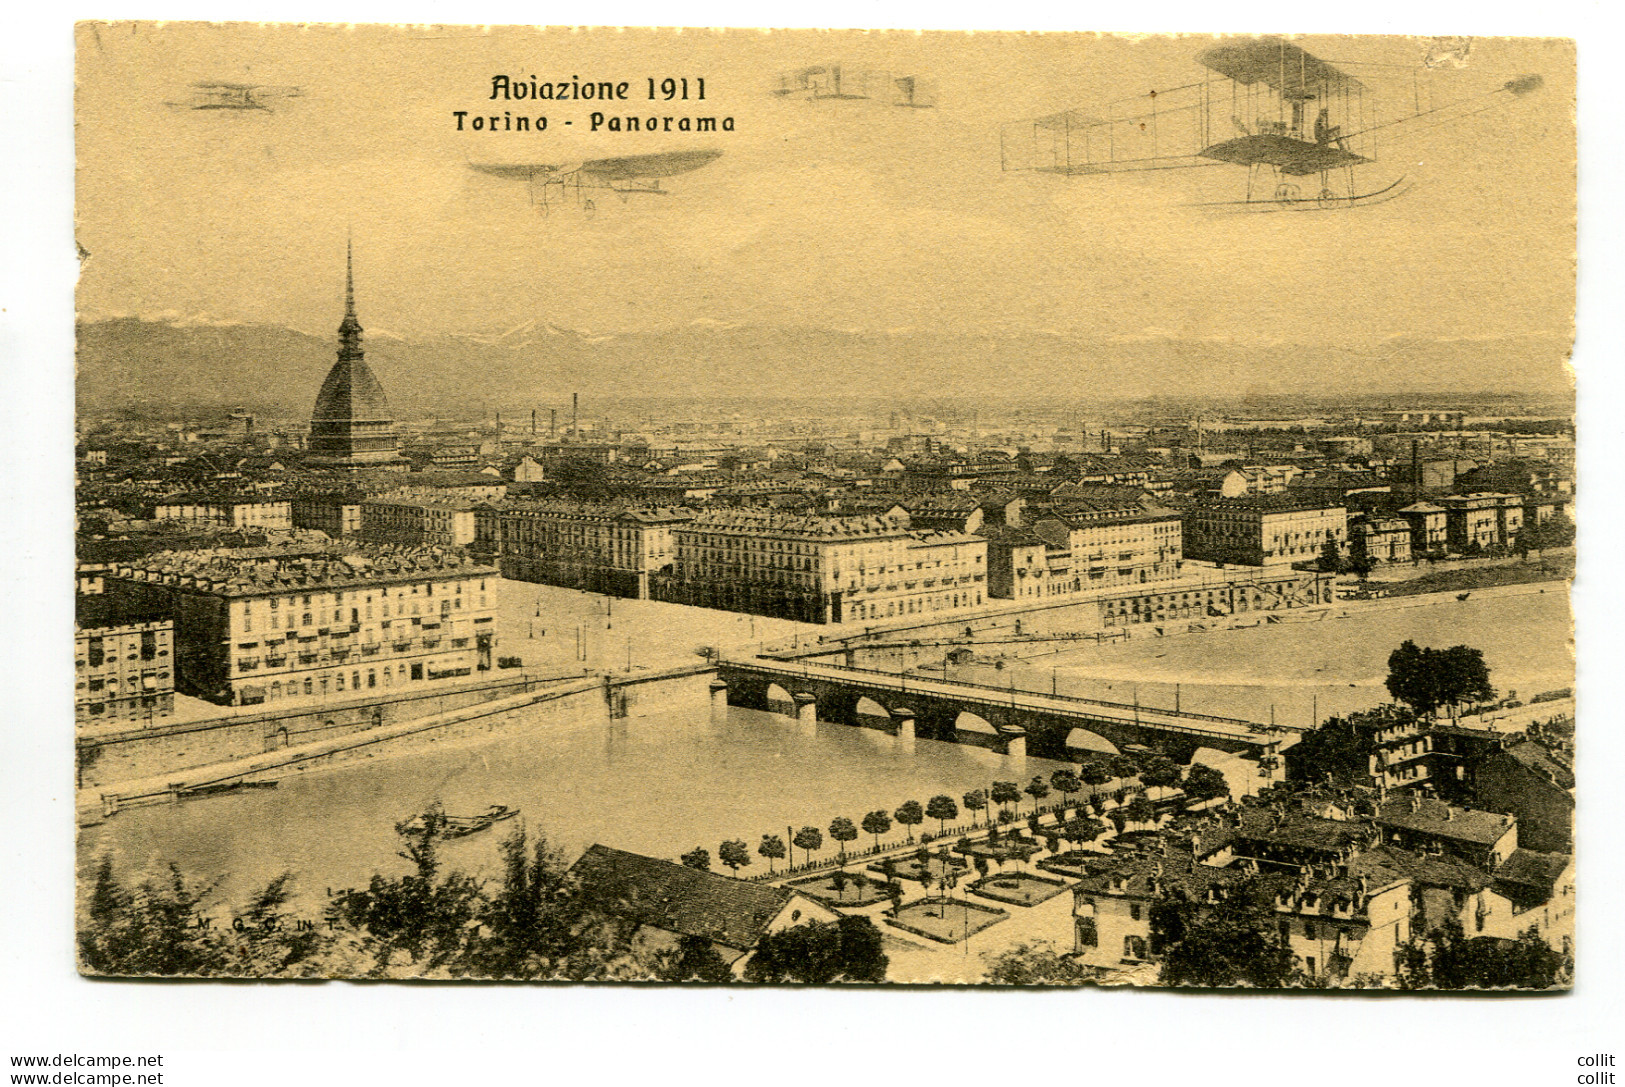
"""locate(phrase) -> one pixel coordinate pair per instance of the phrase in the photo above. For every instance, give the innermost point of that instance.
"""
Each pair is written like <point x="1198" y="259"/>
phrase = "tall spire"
<point x="350" y="327"/>
<point x="349" y="276"/>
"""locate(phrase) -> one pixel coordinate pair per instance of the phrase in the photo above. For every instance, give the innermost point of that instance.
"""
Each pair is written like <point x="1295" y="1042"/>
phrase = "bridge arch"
<point x="1081" y="739"/>
<point x="779" y="700"/>
<point x="866" y="707"/>
<point x="974" y="722"/>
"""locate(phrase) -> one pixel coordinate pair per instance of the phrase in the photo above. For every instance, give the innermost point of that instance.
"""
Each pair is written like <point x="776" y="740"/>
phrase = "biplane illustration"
<point x="1267" y="105"/>
<point x="240" y="96"/>
<point x="624" y="176"/>
<point x="838" y="81"/>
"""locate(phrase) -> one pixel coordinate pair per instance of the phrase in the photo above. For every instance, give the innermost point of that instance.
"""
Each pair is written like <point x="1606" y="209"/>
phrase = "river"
<point x="1296" y="670"/>
<point x="679" y="777"/>
<point x="658" y="784"/>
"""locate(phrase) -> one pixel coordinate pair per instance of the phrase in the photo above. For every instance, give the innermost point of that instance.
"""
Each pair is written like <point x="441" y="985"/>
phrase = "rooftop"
<point x="1528" y="870"/>
<point x="677" y="898"/>
<point x="263" y="571"/>
<point x="1443" y="820"/>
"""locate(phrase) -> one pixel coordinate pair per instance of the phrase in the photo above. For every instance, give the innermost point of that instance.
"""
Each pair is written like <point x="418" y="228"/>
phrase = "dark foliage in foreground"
<point x="525" y="925"/>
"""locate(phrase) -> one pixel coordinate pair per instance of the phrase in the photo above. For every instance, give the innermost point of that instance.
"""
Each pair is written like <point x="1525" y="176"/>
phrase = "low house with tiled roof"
<point x="1540" y="890"/>
<point x="1433" y="826"/>
<point x="667" y="902"/>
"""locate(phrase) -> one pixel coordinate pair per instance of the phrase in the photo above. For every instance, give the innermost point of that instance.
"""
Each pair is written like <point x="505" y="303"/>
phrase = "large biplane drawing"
<point x="624" y="176"/>
<point x="1267" y="105"/>
<point x="843" y="82"/>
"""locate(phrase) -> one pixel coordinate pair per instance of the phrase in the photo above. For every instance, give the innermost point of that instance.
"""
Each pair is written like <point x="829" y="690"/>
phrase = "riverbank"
<point x="1555" y="567"/>
<point x="1301" y="671"/>
<point x="383" y="741"/>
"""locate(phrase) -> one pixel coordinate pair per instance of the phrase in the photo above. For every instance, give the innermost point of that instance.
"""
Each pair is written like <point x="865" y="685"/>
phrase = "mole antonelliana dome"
<point x="351" y="426"/>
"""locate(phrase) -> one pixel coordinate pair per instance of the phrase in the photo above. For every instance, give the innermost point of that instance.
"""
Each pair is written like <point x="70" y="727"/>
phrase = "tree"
<point x="696" y="959"/>
<point x="158" y="927"/>
<point x="1036" y="963"/>
<point x="894" y="891"/>
<point x="974" y="801"/>
<point x="981" y="865"/>
<point x="1139" y="810"/>
<point x="532" y="926"/>
<point x="820" y="953"/>
<point x="698" y="857"/>
<point x="772" y="848"/>
<point x="1426" y="679"/>
<point x="734" y="853"/>
<point x="842" y="830"/>
<point x="1038" y="789"/>
<point x="910" y="815"/>
<point x="1123" y="766"/>
<point x="876" y="823"/>
<point x="1005" y="793"/>
<point x="426" y="915"/>
<point x="1331" y="557"/>
<point x="1095" y="772"/>
<point x="1205" y="783"/>
<point x="1084" y="830"/>
<point x="809" y="839"/>
<point x="942" y="808"/>
<point x="1233" y="942"/>
<point x="1456" y="962"/>
<point x="1408" y="680"/>
<point x="1066" y="783"/>
<point x="1160" y="772"/>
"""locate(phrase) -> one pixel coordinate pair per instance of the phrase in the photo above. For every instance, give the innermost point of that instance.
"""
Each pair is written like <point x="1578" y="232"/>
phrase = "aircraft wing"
<point x="515" y="171"/>
<point x="1290" y="71"/>
<point x="1152" y="132"/>
<point x="635" y="167"/>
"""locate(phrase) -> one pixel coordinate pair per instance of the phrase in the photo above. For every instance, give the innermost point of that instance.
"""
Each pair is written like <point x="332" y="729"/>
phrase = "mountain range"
<point x="131" y="362"/>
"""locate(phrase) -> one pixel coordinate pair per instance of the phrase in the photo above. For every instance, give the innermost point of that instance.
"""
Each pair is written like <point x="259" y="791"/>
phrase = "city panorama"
<point x="863" y="557"/>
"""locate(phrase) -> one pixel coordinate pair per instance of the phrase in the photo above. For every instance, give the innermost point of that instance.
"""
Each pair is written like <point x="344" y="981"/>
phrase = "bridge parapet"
<point x="1034" y="721"/>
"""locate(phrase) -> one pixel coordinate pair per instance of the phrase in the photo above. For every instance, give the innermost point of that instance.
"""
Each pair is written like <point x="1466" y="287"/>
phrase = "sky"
<point x="833" y="214"/>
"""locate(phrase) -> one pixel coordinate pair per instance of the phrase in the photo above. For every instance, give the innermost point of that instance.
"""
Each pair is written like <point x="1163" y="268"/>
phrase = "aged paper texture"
<point x="824" y="507"/>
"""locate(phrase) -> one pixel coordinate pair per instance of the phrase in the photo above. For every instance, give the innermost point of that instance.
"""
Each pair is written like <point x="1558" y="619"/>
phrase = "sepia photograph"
<point x="824" y="508"/>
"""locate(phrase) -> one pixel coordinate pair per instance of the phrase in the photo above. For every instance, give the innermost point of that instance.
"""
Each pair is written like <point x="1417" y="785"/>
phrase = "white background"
<point x="409" y="1034"/>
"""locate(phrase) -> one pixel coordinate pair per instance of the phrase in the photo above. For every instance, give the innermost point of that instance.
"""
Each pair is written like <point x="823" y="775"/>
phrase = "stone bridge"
<point x="1016" y="723"/>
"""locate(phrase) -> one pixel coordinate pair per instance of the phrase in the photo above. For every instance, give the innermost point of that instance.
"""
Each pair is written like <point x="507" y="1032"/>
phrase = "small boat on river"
<point x="461" y="826"/>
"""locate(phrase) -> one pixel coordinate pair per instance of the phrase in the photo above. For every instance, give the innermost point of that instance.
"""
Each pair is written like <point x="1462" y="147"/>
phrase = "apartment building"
<point x="1262" y="531"/>
<point x="823" y="570"/>
<point x="417" y="522"/>
<point x="122" y="671"/>
<point x="601" y="547"/>
<point x="225" y="511"/>
<point x="258" y="625"/>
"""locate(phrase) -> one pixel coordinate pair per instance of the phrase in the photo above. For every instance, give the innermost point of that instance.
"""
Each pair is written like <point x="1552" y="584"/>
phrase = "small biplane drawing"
<point x="1266" y="105"/>
<point x="624" y="176"/>
<point x="240" y="96"/>
<point x="839" y="81"/>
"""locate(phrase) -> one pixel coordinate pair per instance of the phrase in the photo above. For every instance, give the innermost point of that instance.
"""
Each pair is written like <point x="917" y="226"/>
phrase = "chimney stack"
<point x="552" y="422"/>
<point x="575" y="414"/>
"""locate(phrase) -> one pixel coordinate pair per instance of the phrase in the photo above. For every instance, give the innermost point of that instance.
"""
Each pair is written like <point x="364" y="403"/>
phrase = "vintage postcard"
<point x="809" y="507"/>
